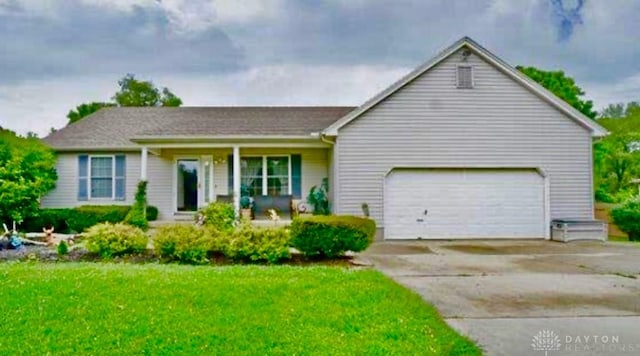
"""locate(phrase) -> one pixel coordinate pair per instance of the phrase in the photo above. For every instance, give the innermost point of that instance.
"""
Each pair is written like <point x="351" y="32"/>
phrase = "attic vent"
<point x="465" y="77"/>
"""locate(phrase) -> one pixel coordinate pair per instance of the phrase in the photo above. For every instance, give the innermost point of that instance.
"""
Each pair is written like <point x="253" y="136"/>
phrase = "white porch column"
<point x="236" y="179"/>
<point x="144" y="153"/>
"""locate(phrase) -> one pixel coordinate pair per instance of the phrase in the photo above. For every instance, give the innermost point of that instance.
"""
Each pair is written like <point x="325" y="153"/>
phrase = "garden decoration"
<point x="48" y="234"/>
<point x="273" y="215"/>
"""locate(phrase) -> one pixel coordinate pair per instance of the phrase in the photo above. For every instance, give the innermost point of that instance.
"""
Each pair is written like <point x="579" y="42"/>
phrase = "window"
<point x="465" y="77"/>
<point x="101" y="174"/>
<point x="265" y="175"/>
<point x="251" y="176"/>
<point x="277" y="175"/>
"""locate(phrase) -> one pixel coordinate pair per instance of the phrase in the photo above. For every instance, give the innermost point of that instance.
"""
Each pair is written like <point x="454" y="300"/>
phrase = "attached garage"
<point x="446" y="203"/>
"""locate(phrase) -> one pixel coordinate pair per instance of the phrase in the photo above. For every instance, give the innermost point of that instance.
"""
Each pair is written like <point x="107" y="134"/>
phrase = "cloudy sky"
<point x="56" y="54"/>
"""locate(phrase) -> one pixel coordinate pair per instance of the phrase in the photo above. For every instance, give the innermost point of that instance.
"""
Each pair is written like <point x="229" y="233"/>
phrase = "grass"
<point x="92" y="308"/>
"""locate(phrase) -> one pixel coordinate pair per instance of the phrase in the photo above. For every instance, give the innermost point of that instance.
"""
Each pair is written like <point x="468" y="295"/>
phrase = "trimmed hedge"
<point x="152" y="213"/>
<point x="48" y="217"/>
<point x="331" y="236"/>
<point x="249" y="242"/>
<point x="84" y="217"/>
<point x="110" y="240"/>
<point x="627" y="218"/>
<point x="79" y="218"/>
<point x="183" y="243"/>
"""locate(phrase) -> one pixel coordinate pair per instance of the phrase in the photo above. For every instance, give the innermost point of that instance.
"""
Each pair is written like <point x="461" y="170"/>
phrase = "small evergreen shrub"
<point x="331" y="236"/>
<point x="220" y="216"/>
<point x="137" y="216"/>
<point x="183" y="243"/>
<point x="48" y="217"/>
<point x="627" y="217"/>
<point x="152" y="213"/>
<point x="63" y="248"/>
<point x="248" y="242"/>
<point x="83" y="217"/>
<point x="110" y="240"/>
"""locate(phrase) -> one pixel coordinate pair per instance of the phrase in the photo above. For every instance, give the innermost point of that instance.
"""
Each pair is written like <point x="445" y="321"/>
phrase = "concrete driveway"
<point x="504" y="293"/>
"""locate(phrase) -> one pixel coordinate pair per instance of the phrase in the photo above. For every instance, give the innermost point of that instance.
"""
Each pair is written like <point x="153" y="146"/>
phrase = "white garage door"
<point x="464" y="203"/>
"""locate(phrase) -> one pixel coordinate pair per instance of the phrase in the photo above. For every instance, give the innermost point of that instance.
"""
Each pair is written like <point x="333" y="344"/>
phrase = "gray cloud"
<point x="86" y="45"/>
<point x="81" y="39"/>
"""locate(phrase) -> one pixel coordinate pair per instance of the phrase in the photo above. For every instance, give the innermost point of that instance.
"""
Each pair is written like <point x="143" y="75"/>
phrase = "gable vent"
<point x="465" y="77"/>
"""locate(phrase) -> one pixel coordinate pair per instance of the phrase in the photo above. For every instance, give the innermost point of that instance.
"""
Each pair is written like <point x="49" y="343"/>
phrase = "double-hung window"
<point x="278" y="175"/>
<point x="102" y="180"/>
<point x="265" y="175"/>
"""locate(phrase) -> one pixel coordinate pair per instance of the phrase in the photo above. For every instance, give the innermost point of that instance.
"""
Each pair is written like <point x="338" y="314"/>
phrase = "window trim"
<point x="473" y="80"/>
<point x="90" y="178"/>
<point x="265" y="187"/>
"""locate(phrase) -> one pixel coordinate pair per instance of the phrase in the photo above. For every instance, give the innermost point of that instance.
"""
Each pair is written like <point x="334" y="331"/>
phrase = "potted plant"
<point x="245" y="207"/>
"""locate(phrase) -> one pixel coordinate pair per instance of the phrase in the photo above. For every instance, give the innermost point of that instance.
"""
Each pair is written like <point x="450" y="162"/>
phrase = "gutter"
<point x="322" y="138"/>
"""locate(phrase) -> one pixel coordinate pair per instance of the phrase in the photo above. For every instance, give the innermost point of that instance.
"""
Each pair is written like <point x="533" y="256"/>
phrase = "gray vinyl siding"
<point x="431" y="123"/>
<point x="160" y="175"/>
<point x="65" y="195"/>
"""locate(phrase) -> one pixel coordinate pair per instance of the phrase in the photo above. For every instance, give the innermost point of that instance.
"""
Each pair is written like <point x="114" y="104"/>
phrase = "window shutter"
<point x="83" y="177"/>
<point x="120" y="175"/>
<point x="296" y="176"/>
<point x="230" y="174"/>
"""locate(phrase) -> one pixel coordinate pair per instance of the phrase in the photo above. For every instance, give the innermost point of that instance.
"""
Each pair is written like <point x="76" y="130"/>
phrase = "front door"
<point x="187" y="184"/>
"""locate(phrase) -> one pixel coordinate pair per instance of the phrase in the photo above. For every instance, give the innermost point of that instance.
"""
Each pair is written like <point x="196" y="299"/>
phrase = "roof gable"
<point x="595" y="129"/>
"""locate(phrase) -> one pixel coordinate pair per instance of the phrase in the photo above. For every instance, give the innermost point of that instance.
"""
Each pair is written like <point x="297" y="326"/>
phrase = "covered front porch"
<point x="256" y="175"/>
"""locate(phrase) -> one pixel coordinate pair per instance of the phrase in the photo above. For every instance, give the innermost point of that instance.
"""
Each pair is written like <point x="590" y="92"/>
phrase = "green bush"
<point x="58" y="218"/>
<point x="48" y="217"/>
<point x="137" y="215"/>
<point x="152" y="213"/>
<point x="627" y="217"/>
<point x="63" y="248"/>
<point x="86" y="216"/>
<point x="183" y="243"/>
<point x="331" y="236"/>
<point x="254" y="243"/>
<point x="220" y="216"/>
<point x="110" y="240"/>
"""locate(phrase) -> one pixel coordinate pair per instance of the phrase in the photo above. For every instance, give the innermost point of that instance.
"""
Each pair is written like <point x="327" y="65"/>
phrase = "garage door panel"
<point x="464" y="203"/>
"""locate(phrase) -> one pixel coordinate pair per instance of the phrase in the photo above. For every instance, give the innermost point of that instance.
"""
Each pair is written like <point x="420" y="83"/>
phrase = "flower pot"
<point x="246" y="214"/>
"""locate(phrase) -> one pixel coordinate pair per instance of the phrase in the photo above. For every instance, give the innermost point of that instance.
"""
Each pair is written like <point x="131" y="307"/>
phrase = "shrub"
<point x="627" y="217"/>
<point x="220" y="216"/>
<point x="137" y="216"/>
<point x="152" y="213"/>
<point x="319" y="198"/>
<point x="83" y="217"/>
<point x="48" y="217"/>
<point x="254" y="243"/>
<point x="331" y="236"/>
<point x="183" y="243"/>
<point x="63" y="248"/>
<point x="109" y="240"/>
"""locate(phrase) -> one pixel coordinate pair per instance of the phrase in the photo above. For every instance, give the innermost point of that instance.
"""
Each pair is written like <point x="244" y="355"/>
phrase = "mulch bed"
<point x="80" y="254"/>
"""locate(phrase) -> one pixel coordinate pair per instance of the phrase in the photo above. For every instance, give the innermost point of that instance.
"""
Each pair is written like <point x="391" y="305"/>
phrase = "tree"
<point x="83" y="110"/>
<point x="132" y="92"/>
<point x="617" y="157"/>
<point x="27" y="172"/>
<point x="562" y="86"/>
<point x="135" y="92"/>
<point x="620" y="110"/>
<point x="613" y="111"/>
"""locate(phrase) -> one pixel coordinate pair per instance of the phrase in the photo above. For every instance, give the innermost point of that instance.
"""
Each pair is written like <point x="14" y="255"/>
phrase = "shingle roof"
<point x="115" y="127"/>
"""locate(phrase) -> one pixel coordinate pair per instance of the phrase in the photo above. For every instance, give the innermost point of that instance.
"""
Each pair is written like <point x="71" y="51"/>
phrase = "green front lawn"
<point x="91" y="308"/>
